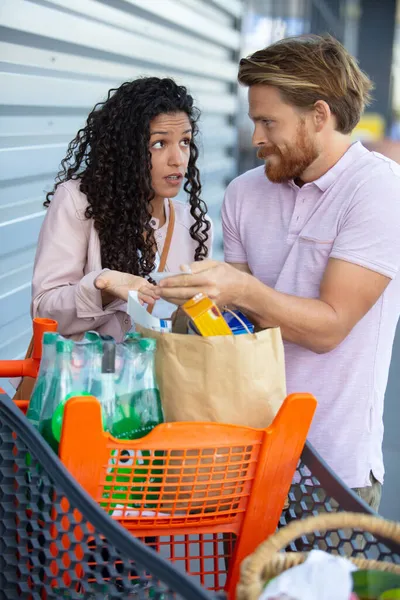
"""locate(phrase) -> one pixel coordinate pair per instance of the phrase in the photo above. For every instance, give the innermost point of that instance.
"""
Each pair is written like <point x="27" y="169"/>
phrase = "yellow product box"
<point x="206" y="316"/>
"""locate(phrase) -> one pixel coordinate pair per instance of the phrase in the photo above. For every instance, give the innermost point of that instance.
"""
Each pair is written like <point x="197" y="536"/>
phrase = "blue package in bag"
<point x="238" y="322"/>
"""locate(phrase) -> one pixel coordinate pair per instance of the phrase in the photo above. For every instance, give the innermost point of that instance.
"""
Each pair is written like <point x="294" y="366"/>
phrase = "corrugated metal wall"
<point x="58" y="58"/>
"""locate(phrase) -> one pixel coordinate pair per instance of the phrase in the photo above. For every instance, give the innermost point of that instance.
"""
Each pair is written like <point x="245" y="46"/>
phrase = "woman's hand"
<point x="114" y="284"/>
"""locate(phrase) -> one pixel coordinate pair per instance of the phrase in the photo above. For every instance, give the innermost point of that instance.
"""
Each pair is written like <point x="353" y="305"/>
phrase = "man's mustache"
<point x="263" y="153"/>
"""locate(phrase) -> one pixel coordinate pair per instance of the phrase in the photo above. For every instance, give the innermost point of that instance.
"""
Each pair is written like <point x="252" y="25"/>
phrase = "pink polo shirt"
<point x="286" y="235"/>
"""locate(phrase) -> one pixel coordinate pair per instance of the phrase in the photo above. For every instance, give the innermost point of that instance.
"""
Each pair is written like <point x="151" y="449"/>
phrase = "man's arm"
<point x="365" y="256"/>
<point x="347" y="293"/>
<point x="244" y="267"/>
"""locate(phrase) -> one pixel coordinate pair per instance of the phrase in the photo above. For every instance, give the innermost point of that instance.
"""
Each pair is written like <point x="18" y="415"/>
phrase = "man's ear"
<point x="322" y="114"/>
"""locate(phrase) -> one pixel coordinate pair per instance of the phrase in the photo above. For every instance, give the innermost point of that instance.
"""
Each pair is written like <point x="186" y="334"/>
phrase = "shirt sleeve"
<point x="234" y="251"/>
<point x="60" y="288"/>
<point x="369" y="234"/>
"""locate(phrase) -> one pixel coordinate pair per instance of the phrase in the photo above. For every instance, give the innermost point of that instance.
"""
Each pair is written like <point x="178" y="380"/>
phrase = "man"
<point x="313" y="242"/>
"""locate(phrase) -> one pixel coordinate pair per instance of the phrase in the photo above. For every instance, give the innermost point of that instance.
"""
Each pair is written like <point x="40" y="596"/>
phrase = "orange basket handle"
<point x="41" y="326"/>
<point x="29" y="366"/>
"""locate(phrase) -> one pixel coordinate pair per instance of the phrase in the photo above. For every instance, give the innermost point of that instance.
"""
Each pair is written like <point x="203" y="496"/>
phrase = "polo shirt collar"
<point x="355" y="151"/>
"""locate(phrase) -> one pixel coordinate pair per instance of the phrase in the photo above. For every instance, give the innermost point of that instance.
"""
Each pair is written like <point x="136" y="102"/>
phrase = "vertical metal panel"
<point x="57" y="59"/>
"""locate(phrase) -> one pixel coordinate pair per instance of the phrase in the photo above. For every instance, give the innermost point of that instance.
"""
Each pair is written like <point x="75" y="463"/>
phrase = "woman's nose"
<point x="176" y="157"/>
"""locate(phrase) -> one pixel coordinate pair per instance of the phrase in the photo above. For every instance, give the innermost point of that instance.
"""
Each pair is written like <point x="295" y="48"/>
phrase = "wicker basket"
<point x="268" y="562"/>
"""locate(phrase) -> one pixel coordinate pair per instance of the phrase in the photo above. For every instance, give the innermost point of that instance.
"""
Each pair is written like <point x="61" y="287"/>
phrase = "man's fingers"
<point x="199" y="266"/>
<point x="179" y="294"/>
<point x="173" y="282"/>
<point x="182" y="281"/>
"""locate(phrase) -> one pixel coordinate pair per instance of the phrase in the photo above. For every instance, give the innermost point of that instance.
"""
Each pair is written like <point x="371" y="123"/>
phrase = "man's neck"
<point x="327" y="158"/>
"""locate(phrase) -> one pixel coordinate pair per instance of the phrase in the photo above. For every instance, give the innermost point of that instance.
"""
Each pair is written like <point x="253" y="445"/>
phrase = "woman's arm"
<point x="60" y="289"/>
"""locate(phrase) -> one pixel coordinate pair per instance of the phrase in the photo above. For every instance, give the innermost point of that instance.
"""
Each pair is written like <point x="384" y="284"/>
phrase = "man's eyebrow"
<point x="256" y="118"/>
<point x="167" y="132"/>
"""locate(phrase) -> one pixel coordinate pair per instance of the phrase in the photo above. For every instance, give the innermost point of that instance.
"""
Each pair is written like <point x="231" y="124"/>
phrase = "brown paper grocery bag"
<point x="238" y="379"/>
<point x="226" y="379"/>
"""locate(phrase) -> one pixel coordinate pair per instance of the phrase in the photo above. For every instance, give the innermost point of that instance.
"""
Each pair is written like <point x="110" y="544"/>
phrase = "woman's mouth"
<point x="174" y="178"/>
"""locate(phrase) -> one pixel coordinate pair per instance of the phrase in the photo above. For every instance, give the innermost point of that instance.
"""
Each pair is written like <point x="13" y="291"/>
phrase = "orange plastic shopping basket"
<point x="206" y="494"/>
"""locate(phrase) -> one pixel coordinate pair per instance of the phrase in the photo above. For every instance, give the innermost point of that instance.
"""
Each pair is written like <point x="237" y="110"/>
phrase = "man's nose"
<point x="258" y="138"/>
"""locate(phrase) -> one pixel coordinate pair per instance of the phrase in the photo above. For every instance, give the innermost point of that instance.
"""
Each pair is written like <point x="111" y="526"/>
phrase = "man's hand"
<point x="219" y="281"/>
<point x="114" y="284"/>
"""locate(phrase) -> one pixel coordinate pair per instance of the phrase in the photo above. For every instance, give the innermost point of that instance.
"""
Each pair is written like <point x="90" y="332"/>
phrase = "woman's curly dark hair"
<point x="111" y="159"/>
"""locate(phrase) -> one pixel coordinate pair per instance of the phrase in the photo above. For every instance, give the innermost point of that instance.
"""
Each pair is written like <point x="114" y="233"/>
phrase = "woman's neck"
<point x="158" y="210"/>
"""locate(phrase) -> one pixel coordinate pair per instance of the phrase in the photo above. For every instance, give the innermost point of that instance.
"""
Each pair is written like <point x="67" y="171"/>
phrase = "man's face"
<point x="283" y="135"/>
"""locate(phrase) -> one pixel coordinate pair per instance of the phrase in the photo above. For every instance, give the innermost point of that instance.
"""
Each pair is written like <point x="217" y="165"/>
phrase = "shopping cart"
<point x="201" y="495"/>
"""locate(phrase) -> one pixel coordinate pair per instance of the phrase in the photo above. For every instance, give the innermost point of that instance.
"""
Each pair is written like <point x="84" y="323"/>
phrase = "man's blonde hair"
<point x="310" y="68"/>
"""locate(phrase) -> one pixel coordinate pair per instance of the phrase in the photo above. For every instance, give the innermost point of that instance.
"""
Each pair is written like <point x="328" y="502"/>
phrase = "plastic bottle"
<point x="44" y="377"/>
<point x="132" y="336"/>
<point x="107" y="394"/>
<point x="93" y="353"/>
<point x="140" y="409"/>
<point x="129" y="352"/>
<point x="61" y="385"/>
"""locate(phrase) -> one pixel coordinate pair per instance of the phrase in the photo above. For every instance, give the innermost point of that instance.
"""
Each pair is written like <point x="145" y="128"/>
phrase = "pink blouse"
<point x="68" y="261"/>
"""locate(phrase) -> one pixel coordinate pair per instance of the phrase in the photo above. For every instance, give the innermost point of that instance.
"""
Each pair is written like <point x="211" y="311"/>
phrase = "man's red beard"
<point x="291" y="161"/>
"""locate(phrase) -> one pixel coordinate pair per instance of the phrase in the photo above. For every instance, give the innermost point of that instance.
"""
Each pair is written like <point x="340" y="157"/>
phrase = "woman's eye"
<point x="159" y="144"/>
<point x="186" y="142"/>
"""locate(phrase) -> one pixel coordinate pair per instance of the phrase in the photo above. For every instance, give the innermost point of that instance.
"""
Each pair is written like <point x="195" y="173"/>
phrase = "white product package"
<point x="322" y="576"/>
<point x="140" y="316"/>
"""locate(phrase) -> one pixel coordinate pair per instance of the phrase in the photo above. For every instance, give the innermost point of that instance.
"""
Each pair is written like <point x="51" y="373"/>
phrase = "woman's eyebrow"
<point x="167" y="132"/>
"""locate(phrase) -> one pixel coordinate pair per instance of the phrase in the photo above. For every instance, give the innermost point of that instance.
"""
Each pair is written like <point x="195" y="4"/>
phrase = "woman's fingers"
<point x="101" y="283"/>
<point x="146" y="299"/>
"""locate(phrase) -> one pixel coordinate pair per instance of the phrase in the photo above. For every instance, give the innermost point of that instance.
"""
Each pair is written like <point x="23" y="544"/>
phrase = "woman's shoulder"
<point x="68" y="206"/>
<point x="71" y="188"/>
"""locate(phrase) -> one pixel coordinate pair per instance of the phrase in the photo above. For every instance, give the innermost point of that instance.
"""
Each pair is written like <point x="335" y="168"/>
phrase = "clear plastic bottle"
<point x="107" y="393"/>
<point x="139" y="408"/>
<point x="93" y="354"/>
<point x="129" y="373"/>
<point x="138" y="411"/>
<point x="61" y="385"/>
<point x="44" y="377"/>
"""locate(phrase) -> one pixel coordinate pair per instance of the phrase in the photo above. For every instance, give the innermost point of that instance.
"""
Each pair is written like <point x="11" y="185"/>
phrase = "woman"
<point x="111" y="221"/>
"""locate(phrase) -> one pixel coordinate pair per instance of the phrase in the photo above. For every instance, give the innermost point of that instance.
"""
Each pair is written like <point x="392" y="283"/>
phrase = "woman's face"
<point x="170" y="135"/>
